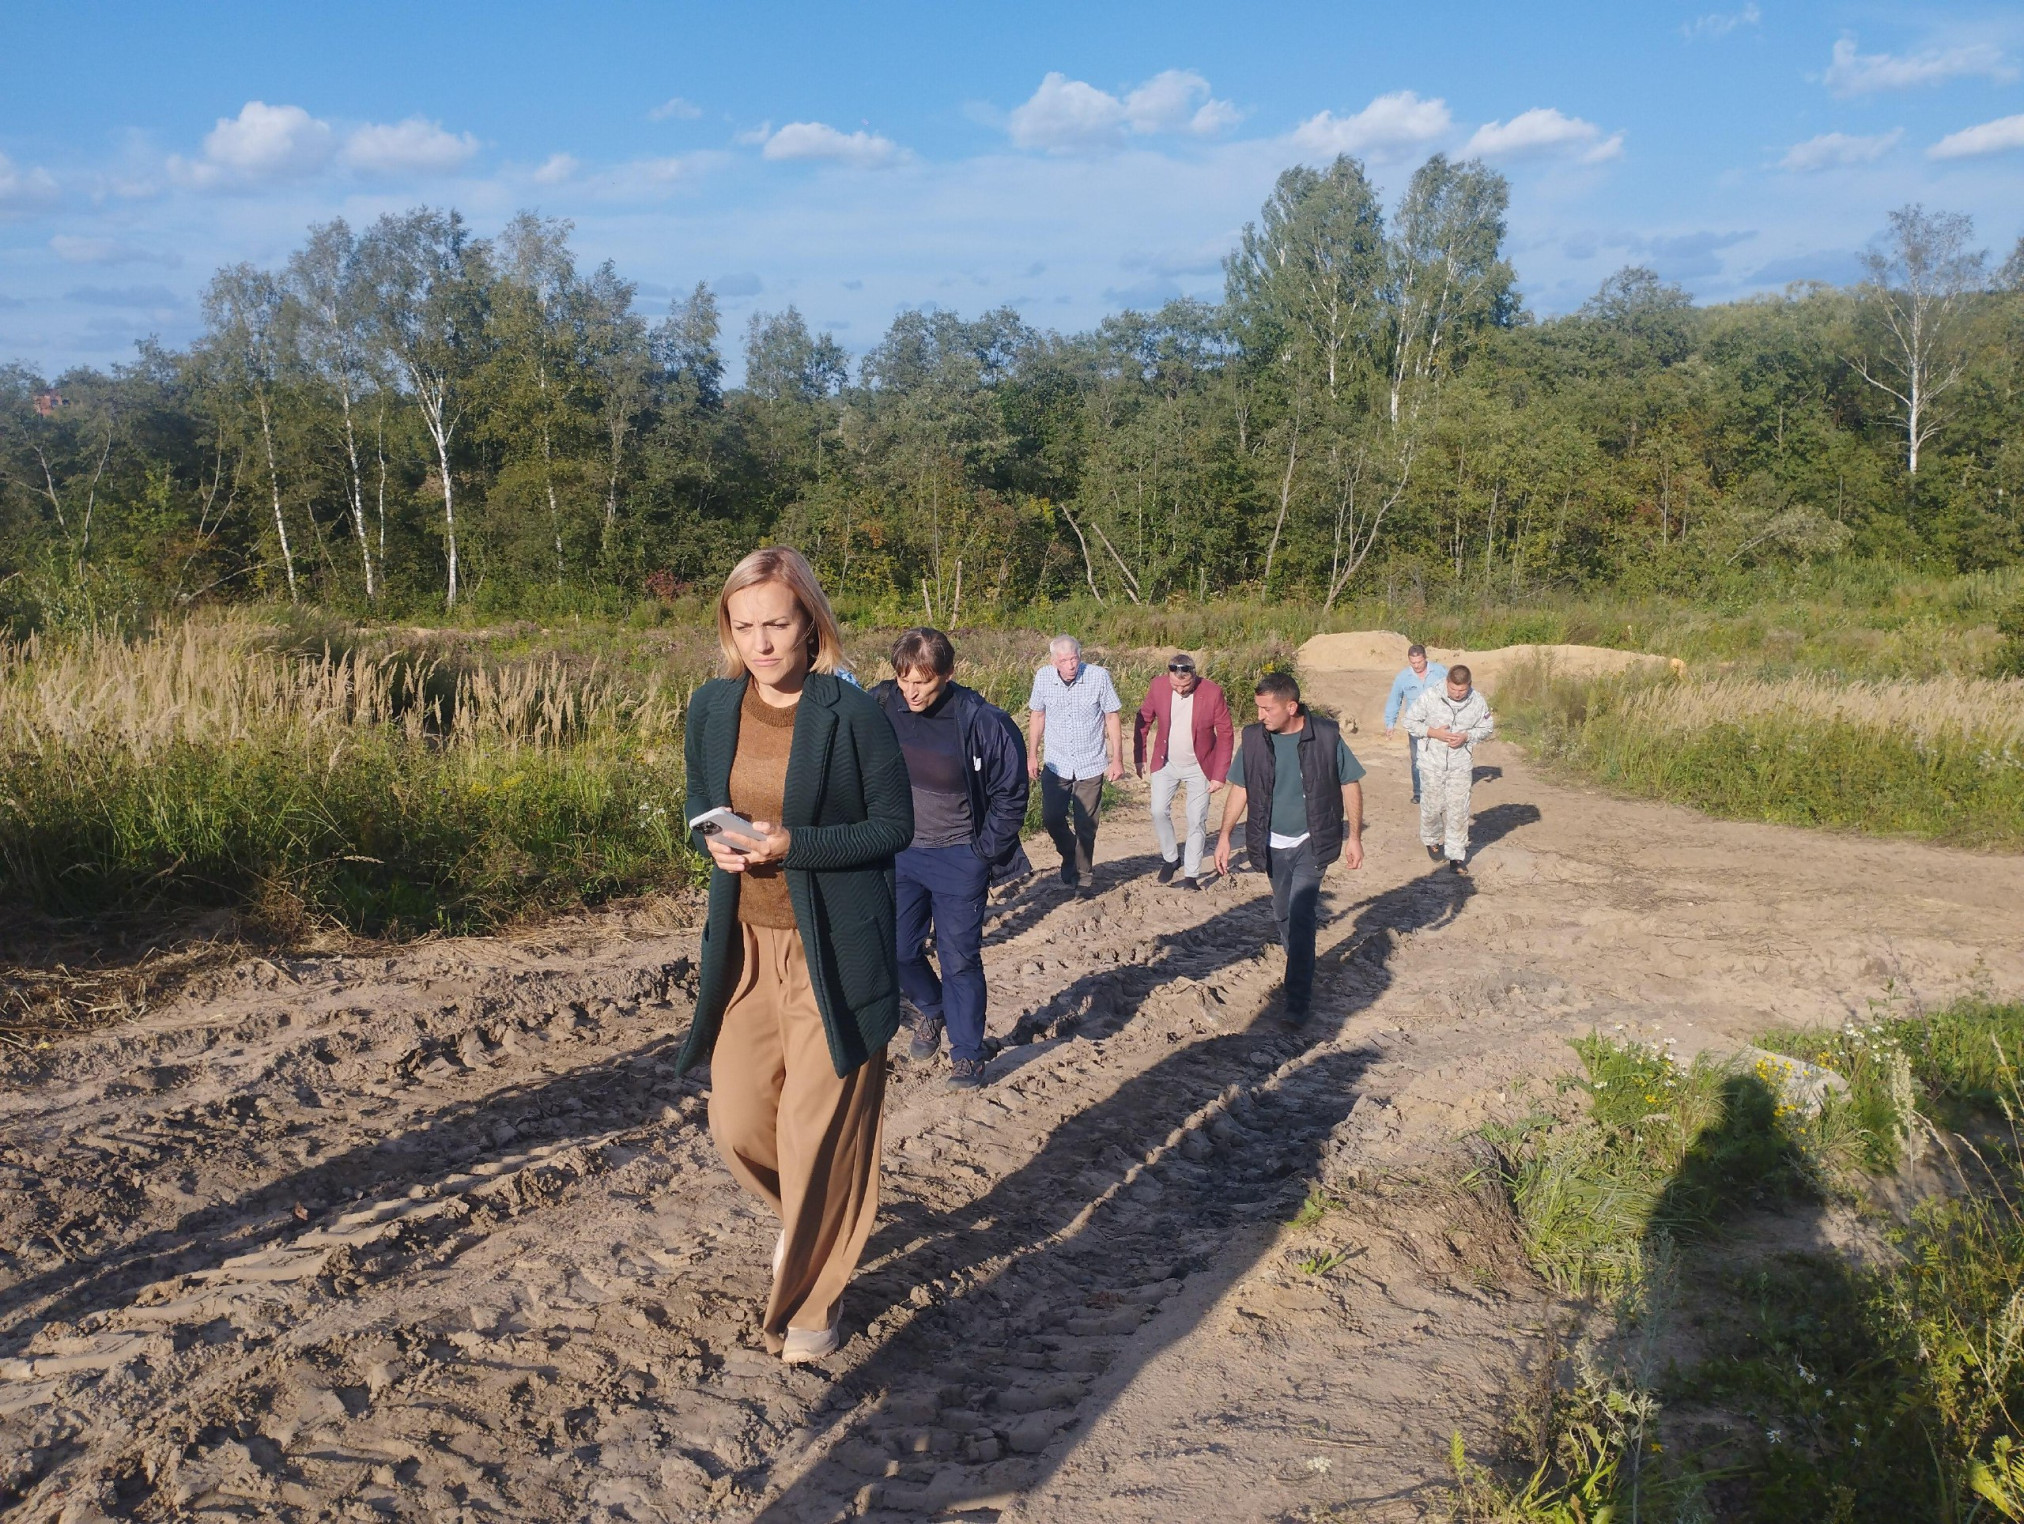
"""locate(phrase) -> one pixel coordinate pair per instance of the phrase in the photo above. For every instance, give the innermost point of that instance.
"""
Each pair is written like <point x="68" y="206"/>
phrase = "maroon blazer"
<point x="1214" y="739"/>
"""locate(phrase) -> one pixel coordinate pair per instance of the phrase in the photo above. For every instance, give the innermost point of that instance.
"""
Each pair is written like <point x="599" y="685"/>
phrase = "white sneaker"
<point x="805" y="1344"/>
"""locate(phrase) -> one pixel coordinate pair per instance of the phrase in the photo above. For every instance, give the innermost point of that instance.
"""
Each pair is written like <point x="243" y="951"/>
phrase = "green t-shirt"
<point x="1289" y="800"/>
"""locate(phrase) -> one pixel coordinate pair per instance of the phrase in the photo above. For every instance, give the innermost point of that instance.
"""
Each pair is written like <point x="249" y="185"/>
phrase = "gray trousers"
<point x="1068" y="811"/>
<point x="1166" y="783"/>
<point x="1444" y="804"/>
<point x="1296" y="906"/>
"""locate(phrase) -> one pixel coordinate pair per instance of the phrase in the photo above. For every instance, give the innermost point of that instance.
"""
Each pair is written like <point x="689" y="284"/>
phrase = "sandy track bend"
<point x="441" y="1237"/>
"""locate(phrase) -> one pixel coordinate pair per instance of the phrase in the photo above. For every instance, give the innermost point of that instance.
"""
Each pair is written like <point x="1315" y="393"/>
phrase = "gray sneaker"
<point x="927" y="1039"/>
<point x="965" y="1074"/>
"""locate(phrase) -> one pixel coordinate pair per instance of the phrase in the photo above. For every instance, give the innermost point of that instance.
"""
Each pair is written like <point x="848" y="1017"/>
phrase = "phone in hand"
<point x="723" y="822"/>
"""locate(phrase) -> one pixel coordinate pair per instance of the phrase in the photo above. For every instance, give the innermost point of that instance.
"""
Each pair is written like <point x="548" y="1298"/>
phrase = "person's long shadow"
<point x="1182" y="1171"/>
<point x="1500" y="820"/>
<point x="622" y="1090"/>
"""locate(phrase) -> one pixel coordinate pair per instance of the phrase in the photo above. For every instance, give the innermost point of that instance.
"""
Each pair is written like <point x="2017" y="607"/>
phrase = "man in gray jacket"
<point x="1447" y="722"/>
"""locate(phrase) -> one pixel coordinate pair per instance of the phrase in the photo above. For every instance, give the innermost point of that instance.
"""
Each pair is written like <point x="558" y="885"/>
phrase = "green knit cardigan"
<point x="850" y="807"/>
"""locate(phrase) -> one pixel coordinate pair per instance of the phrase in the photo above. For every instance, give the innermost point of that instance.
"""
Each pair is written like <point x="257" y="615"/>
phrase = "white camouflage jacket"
<point x="1434" y="709"/>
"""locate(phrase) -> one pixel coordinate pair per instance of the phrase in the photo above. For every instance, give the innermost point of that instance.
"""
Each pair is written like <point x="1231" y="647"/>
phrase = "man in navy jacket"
<point x="967" y="763"/>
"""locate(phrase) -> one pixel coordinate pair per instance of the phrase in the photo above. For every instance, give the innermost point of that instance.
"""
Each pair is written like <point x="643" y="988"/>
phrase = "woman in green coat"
<point x="799" y="992"/>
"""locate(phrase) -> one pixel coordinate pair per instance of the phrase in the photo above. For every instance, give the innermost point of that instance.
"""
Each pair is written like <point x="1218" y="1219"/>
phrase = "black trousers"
<point x="1296" y="904"/>
<point x="1068" y="811"/>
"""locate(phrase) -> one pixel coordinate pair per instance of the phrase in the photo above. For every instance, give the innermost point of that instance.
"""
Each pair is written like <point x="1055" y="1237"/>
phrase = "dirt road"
<point x="439" y="1236"/>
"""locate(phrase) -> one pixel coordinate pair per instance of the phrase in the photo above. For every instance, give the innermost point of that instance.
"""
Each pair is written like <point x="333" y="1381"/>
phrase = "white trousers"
<point x="1444" y="805"/>
<point x="1166" y="783"/>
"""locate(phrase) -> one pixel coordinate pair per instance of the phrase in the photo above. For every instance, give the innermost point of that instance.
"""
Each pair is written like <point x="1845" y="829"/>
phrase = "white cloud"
<point x="674" y="108"/>
<point x="22" y="189"/>
<point x="559" y="169"/>
<point x="1722" y="23"/>
<point x="1831" y="150"/>
<point x="1544" y="130"/>
<point x="1069" y="115"/>
<point x="1999" y="136"/>
<point x="1853" y="73"/>
<point x="75" y="250"/>
<point x="262" y="142"/>
<point x="1178" y="100"/>
<point x="1398" y="120"/>
<point x="754" y="135"/>
<point x="415" y="146"/>
<point x="818" y="140"/>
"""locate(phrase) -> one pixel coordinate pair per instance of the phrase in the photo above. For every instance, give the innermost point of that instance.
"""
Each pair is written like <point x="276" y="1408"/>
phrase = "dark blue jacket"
<point x="996" y="776"/>
<point x="850" y="808"/>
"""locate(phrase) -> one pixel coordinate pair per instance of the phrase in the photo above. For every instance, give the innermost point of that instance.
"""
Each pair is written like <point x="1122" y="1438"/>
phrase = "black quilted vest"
<point x="1318" y="780"/>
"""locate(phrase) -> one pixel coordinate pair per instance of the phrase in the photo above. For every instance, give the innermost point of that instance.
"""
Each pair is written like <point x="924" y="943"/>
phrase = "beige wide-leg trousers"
<point x="798" y="1136"/>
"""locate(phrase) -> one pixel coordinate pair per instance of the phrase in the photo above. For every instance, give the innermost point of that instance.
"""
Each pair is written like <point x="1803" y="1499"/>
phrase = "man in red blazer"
<point x="1192" y="740"/>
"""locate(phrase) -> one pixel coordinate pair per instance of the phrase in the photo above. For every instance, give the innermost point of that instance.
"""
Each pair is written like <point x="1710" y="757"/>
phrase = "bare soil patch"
<point x="436" y="1234"/>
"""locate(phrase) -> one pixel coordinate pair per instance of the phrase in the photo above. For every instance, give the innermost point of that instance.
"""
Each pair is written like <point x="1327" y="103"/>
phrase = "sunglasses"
<point x="1189" y="670"/>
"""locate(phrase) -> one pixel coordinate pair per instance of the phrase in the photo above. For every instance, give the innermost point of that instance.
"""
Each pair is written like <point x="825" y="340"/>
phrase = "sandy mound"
<point x="1385" y="651"/>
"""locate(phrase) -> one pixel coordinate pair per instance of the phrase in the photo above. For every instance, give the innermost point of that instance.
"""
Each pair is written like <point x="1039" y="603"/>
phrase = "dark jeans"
<point x="1296" y="903"/>
<point x="1059" y="800"/>
<point x="942" y="889"/>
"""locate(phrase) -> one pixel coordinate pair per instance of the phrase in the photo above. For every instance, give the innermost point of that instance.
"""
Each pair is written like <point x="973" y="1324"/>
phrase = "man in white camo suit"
<point x="1447" y="722"/>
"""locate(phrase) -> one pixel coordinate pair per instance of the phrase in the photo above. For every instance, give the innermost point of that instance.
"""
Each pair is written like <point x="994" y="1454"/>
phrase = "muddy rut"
<point x="441" y="1236"/>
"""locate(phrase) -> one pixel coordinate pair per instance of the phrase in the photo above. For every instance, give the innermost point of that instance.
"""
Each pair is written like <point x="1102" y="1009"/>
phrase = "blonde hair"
<point x="786" y="565"/>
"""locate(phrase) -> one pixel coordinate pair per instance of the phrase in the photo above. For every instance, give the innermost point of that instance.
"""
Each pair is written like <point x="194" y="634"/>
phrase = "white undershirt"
<point x="1181" y="733"/>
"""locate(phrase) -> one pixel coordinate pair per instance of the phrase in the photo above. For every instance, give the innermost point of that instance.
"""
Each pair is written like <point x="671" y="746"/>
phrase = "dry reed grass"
<point x="1939" y="757"/>
<point x="1982" y="711"/>
<point x="225" y="682"/>
<point x="386" y="791"/>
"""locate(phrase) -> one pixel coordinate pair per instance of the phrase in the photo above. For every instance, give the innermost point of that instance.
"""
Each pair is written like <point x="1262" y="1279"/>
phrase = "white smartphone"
<point x="721" y="822"/>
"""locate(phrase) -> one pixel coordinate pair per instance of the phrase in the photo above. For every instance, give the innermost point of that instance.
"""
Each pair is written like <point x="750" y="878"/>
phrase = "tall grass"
<point x="1941" y="757"/>
<point x="394" y="792"/>
<point x="391" y="780"/>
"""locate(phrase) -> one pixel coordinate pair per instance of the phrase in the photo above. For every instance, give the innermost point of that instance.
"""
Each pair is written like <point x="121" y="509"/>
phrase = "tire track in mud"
<point x="537" y="1298"/>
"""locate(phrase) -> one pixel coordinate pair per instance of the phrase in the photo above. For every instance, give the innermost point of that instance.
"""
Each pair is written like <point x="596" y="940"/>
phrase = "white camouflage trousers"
<point x="1444" y="803"/>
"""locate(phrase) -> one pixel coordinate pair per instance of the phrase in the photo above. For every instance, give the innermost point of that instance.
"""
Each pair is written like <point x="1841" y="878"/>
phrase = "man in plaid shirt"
<point x="1076" y="730"/>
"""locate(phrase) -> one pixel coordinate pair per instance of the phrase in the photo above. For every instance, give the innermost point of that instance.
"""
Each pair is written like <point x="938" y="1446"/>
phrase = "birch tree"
<point x="243" y="312"/>
<point x="1445" y="269"/>
<point x="428" y="279"/>
<point x="620" y="357"/>
<point x="323" y="281"/>
<point x="537" y="321"/>
<point x="1912" y="295"/>
<point x="1310" y="271"/>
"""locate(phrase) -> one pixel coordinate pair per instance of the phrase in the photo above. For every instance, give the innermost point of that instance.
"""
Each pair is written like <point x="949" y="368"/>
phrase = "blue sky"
<point x="1068" y="159"/>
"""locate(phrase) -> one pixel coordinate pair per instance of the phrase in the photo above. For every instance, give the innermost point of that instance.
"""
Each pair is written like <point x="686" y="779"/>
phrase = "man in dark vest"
<point x="1297" y="788"/>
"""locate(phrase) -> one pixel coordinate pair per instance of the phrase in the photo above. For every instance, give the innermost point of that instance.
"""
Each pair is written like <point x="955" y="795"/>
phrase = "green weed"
<point x="1878" y="1391"/>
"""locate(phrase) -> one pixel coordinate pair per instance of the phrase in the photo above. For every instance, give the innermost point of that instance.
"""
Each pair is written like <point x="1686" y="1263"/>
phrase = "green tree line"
<point x="410" y="419"/>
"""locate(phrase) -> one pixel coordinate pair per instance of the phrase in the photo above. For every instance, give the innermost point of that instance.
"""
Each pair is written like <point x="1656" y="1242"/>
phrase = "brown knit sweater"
<point x="758" y="790"/>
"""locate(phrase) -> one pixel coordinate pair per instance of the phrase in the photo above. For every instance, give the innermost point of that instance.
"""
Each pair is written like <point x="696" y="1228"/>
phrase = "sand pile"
<point x="1385" y="651"/>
